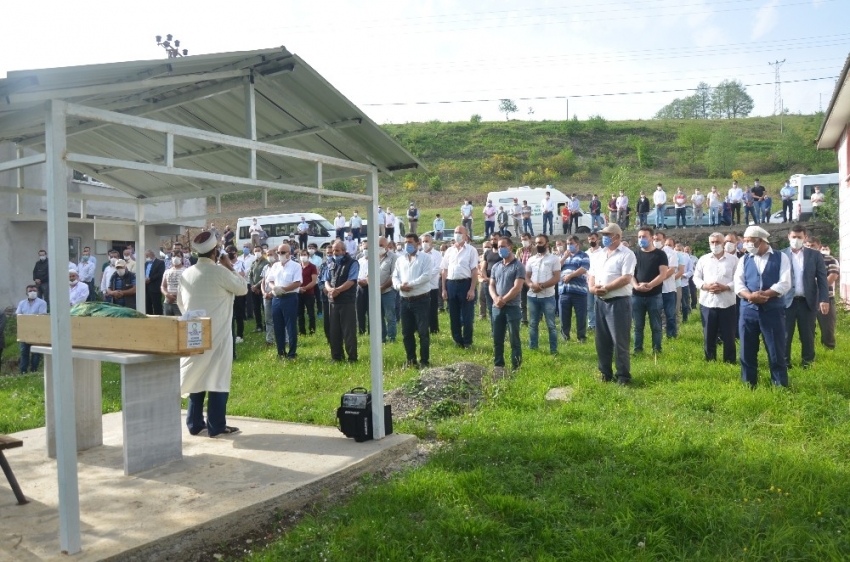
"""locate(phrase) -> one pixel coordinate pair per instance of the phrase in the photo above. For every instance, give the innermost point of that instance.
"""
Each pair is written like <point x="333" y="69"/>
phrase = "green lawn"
<point x="686" y="464"/>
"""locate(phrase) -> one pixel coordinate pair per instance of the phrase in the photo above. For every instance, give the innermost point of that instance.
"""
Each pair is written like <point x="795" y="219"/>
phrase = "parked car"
<point x="670" y="217"/>
<point x="448" y="235"/>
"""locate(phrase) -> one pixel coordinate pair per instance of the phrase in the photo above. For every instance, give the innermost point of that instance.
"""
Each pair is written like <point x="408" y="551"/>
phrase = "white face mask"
<point x="32" y="294"/>
<point x="383" y="250"/>
<point x="258" y="255"/>
<point x="121" y="271"/>
<point x="657" y="244"/>
<point x="74" y="282"/>
<point x="304" y="259"/>
<point x="177" y="261"/>
<point x="825" y="252"/>
<point x="113" y="260"/>
<point x="426" y="246"/>
<point x="42" y="258"/>
<point x="526" y="243"/>
<point x="751" y="248"/>
<point x="717" y="248"/>
<point x="795" y="243"/>
<point x="458" y="237"/>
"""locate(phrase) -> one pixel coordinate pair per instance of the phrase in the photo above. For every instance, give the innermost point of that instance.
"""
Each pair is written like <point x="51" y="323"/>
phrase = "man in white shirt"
<point x="516" y="216"/>
<point x="548" y="213"/>
<point x="339" y="225"/>
<point x="466" y="217"/>
<point x="389" y="295"/>
<point x="28" y="361"/>
<point x="818" y="201"/>
<point x="542" y="272"/>
<point x="714" y="276"/>
<point x="669" y="296"/>
<point x="285" y="279"/>
<point x="623" y="209"/>
<point x="698" y="200"/>
<point x="762" y="277"/>
<point x="610" y="280"/>
<point x="108" y="272"/>
<point x="303" y="234"/>
<point x="255" y="231"/>
<point x="412" y="278"/>
<point x="736" y="196"/>
<point x="439" y="226"/>
<point x="382" y="219"/>
<point x="715" y="204"/>
<point x="489" y="218"/>
<point x="362" y="298"/>
<point x="87" y="268"/>
<point x="79" y="291"/>
<point x="458" y="268"/>
<point x="434" y="289"/>
<point x="659" y="198"/>
<point x="389" y="225"/>
<point x="350" y="245"/>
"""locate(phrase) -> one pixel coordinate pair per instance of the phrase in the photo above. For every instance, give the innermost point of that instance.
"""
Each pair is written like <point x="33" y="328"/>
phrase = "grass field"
<point x="686" y="464"/>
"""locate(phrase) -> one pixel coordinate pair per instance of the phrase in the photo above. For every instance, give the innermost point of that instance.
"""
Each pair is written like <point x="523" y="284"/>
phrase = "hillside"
<point x="469" y="159"/>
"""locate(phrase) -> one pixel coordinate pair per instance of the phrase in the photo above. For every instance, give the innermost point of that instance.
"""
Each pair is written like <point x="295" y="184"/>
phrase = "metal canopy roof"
<point x="838" y="113"/>
<point x="295" y="108"/>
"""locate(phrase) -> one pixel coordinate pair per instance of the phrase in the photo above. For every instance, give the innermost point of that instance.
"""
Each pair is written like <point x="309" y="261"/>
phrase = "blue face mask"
<point x="606" y="241"/>
<point x="338" y="259"/>
<point x="410" y="248"/>
<point x="246" y="251"/>
<point x="504" y="253"/>
<point x="85" y="259"/>
<point x="572" y="248"/>
<point x="643" y="242"/>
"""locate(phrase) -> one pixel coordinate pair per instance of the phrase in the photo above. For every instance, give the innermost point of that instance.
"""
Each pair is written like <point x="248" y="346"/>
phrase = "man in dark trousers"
<point x="762" y="277"/>
<point x="154" y="270"/>
<point x="650" y="272"/>
<point x="41" y="276"/>
<point x="341" y="289"/>
<point x="809" y="294"/>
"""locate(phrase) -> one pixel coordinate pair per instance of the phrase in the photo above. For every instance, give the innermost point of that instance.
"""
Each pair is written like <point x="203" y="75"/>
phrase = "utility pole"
<point x="777" y="91"/>
<point x="173" y="49"/>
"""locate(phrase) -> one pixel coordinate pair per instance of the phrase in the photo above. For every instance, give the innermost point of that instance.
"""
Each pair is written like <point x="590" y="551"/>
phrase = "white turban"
<point x="204" y="242"/>
<point x="756" y="232"/>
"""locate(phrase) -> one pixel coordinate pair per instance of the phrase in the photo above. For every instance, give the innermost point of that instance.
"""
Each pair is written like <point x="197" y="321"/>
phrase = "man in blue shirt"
<point x="30" y="305"/>
<point x="572" y="289"/>
<point x="341" y="289"/>
<point x="439" y="226"/>
<point x="121" y="289"/>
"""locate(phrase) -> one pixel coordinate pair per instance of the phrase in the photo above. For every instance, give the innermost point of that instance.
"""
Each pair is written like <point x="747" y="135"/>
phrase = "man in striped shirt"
<point x="572" y="289"/>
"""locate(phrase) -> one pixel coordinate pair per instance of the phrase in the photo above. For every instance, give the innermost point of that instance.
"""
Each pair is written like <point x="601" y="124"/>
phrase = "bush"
<point x="596" y="123"/>
<point x="435" y="184"/>
<point x="738" y="175"/>
<point x="475" y="119"/>
<point x="581" y="176"/>
<point x="564" y="162"/>
<point x="532" y="177"/>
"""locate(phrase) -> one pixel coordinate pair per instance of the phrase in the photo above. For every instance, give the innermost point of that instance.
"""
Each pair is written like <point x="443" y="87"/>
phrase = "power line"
<point x="561" y="97"/>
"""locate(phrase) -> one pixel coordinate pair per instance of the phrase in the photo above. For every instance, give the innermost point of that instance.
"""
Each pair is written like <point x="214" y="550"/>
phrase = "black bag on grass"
<point x="355" y="415"/>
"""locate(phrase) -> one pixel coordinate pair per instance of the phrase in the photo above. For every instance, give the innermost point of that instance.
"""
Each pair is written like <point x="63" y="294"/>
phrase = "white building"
<point x="835" y="134"/>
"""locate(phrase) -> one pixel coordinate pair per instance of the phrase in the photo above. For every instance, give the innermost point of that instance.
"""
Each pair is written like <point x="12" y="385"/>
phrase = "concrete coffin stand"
<point x="221" y="488"/>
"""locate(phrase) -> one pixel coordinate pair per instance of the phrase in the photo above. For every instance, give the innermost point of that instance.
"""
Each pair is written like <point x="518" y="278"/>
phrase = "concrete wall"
<point x="21" y="239"/>
<point x="843" y="152"/>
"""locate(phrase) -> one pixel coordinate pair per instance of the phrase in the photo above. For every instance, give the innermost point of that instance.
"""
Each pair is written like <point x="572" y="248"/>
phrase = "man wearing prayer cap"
<point x="211" y="287"/>
<point x="762" y="277"/>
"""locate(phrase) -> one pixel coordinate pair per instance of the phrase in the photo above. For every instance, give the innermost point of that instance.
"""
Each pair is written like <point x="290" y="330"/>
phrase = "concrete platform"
<point x="220" y="489"/>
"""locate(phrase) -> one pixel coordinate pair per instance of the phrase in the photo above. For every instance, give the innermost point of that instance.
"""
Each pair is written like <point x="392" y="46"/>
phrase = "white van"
<point x="805" y="186"/>
<point x="282" y="227"/>
<point x="535" y="196"/>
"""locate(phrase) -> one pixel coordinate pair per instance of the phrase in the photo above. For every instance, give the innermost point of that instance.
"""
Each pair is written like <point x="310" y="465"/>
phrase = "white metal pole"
<point x="19" y="180"/>
<point x="56" y="186"/>
<point x="251" y="124"/>
<point x="141" y="247"/>
<point x="375" y="348"/>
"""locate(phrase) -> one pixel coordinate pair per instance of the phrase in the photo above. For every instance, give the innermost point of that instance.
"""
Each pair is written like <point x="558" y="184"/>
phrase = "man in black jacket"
<point x="154" y="270"/>
<point x="809" y="294"/>
<point x="41" y="276"/>
<point x="341" y="289"/>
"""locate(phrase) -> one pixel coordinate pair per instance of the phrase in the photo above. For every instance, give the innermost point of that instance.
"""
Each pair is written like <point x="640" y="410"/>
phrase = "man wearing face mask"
<point x="412" y="278"/>
<point x="389" y="295"/>
<point x="434" y="288"/>
<point x="87" y="268"/>
<point x="350" y="245"/>
<point x="668" y="287"/>
<point x="79" y="291"/>
<point x="650" y="272"/>
<point x="170" y="283"/>
<point x="108" y="271"/>
<point x="356" y="223"/>
<point x="255" y="280"/>
<point x="129" y="259"/>
<point x="30" y="305"/>
<point x="303" y="230"/>
<point x="610" y="279"/>
<point x="809" y="295"/>
<point x="573" y="290"/>
<point x="41" y="276"/>
<point x="362" y="299"/>
<point x="506" y="283"/>
<point x="389" y="225"/>
<point x="762" y="277"/>
<point x="339" y="225"/>
<point x="548" y="212"/>
<point x="122" y="286"/>
<point x="154" y="270"/>
<point x="307" y="295"/>
<point x="541" y="276"/>
<point x="466" y="216"/>
<point x="285" y="279"/>
<point x="457" y="269"/>
<point x="714" y="275"/>
<point x="342" y="317"/>
<point x="525" y="252"/>
<point x="592" y="247"/>
<point x="826" y="321"/>
<point x="489" y="219"/>
<point x="267" y="290"/>
<point x="643" y="209"/>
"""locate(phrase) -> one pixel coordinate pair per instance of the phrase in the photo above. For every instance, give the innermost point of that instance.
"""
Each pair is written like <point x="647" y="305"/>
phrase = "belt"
<point x="799" y="298"/>
<point x="457" y="280"/>
<point x="417" y="297"/>
<point x="285" y="295"/>
<point x="613" y="299"/>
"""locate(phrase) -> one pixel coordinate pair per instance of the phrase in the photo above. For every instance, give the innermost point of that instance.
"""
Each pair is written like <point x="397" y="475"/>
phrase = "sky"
<point x="405" y="61"/>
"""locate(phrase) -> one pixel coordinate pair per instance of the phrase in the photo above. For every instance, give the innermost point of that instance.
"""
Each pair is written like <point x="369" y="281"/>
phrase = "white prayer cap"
<point x="204" y="242"/>
<point x="756" y="232"/>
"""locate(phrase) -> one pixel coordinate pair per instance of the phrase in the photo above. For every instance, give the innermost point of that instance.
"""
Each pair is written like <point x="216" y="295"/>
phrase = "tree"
<point x="475" y="119"/>
<point x="693" y="138"/>
<point x="702" y="101"/>
<point x="722" y="153"/>
<point x="731" y="100"/>
<point x="643" y="151"/>
<point x="507" y="107"/>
